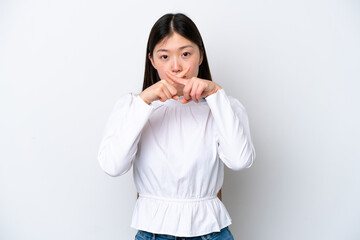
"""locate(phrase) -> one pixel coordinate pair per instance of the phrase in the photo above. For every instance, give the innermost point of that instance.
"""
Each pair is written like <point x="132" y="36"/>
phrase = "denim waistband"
<point x="149" y="235"/>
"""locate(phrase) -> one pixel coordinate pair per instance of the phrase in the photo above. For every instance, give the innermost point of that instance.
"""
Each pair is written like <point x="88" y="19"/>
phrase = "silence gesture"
<point x="194" y="88"/>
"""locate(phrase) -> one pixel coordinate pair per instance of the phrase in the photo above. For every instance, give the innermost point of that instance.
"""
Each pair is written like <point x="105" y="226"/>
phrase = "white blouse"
<point x="178" y="152"/>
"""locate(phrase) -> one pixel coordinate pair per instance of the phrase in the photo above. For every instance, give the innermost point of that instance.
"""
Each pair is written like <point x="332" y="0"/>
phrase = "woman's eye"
<point x="164" y="57"/>
<point x="186" y="54"/>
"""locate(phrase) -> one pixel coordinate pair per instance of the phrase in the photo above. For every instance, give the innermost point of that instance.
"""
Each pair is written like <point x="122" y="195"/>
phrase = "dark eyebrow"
<point x="162" y="50"/>
<point x="186" y="46"/>
<point x="165" y="50"/>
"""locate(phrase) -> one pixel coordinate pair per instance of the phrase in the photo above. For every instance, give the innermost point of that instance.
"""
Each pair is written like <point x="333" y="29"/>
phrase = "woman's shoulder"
<point x="222" y="97"/>
<point x="236" y="102"/>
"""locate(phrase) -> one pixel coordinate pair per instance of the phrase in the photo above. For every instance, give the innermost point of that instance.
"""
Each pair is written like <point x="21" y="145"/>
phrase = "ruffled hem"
<point x="180" y="217"/>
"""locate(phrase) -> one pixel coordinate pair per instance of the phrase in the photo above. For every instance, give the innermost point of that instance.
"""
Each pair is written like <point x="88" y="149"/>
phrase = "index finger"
<point x="175" y="78"/>
<point x="178" y="78"/>
<point x="183" y="74"/>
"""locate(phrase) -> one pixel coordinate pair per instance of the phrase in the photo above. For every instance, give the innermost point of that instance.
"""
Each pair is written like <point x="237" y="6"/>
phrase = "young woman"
<point x="177" y="134"/>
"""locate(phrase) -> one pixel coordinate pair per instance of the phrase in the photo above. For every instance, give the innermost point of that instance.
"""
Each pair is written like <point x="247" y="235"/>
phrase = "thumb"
<point x="184" y="101"/>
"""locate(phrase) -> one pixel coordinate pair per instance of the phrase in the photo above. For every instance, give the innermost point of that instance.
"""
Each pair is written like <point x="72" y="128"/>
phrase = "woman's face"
<point x="177" y="55"/>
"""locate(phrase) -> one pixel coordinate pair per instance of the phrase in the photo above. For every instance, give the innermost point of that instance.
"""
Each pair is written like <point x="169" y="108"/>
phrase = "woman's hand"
<point x="194" y="88"/>
<point x="162" y="90"/>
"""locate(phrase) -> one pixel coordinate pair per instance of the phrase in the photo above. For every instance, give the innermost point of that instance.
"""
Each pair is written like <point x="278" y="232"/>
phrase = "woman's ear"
<point x="152" y="61"/>
<point x="201" y="57"/>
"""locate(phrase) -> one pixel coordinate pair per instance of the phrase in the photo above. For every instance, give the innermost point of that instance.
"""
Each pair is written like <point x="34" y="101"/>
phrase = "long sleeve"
<point x="122" y="133"/>
<point x="235" y="147"/>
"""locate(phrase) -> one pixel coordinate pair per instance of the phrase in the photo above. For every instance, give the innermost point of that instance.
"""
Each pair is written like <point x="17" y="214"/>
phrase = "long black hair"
<point x="164" y="27"/>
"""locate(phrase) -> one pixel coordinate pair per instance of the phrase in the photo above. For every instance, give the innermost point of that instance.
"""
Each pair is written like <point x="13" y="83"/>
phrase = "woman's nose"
<point x="176" y="66"/>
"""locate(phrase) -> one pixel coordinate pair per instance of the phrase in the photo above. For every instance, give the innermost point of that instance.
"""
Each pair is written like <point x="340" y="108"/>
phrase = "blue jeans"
<point x="224" y="234"/>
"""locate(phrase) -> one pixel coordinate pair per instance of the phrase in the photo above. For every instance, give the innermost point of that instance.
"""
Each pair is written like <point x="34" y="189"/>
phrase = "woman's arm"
<point x="122" y="134"/>
<point x="235" y="147"/>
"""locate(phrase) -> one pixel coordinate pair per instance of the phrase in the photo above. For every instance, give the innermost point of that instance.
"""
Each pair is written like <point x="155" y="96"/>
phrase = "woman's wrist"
<point x="217" y="87"/>
<point x="142" y="96"/>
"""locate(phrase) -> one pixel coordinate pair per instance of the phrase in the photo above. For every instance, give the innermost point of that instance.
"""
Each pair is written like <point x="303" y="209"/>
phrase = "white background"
<point x="293" y="64"/>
